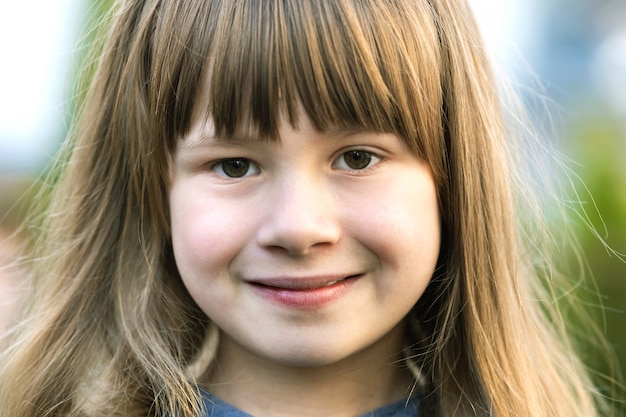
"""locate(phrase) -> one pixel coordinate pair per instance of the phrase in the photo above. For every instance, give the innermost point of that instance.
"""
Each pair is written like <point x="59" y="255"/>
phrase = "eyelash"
<point x="251" y="168"/>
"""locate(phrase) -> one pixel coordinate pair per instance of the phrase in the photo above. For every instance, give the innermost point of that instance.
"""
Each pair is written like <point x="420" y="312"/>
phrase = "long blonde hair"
<point x="109" y="328"/>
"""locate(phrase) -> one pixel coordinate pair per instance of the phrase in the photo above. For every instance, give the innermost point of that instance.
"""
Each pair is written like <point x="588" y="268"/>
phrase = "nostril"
<point x="298" y="236"/>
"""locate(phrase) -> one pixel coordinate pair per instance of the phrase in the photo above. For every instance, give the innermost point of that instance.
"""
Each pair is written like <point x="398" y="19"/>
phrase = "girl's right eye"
<point x="235" y="168"/>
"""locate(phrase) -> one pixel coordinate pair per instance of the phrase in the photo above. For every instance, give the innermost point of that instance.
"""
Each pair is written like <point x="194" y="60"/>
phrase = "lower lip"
<point x="310" y="298"/>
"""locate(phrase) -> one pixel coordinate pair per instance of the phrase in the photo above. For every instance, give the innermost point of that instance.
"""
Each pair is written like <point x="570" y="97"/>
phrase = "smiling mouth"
<point x="302" y="284"/>
<point x="304" y="293"/>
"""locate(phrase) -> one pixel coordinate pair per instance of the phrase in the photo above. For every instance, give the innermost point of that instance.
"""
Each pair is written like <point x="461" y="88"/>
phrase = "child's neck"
<point x="360" y="383"/>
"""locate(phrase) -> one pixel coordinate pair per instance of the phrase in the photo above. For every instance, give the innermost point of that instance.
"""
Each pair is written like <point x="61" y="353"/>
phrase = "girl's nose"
<point x="301" y="216"/>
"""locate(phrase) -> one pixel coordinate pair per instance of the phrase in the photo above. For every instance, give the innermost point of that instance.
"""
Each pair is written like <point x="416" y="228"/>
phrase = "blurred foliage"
<point x="15" y="199"/>
<point x="597" y="141"/>
<point x="94" y="24"/>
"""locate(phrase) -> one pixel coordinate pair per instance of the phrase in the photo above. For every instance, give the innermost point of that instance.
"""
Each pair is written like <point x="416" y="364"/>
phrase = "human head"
<point x="412" y="68"/>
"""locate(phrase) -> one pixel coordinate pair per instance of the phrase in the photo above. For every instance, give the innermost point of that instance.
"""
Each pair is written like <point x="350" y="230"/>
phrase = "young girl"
<point x="289" y="208"/>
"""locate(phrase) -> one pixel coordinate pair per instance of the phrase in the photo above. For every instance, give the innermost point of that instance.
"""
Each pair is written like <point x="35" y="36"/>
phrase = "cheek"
<point x="402" y="227"/>
<point x="206" y="238"/>
<point x="205" y="235"/>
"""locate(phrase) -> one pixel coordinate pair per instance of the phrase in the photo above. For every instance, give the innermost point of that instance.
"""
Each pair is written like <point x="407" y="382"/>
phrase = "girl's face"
<point x="306" y="250"/>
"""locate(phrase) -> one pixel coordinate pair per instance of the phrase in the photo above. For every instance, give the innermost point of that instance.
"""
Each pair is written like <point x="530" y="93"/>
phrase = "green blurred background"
<point x="577" y="52"/>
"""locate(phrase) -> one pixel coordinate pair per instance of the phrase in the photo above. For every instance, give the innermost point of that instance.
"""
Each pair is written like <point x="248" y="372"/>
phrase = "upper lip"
<point x="301" y="283"/>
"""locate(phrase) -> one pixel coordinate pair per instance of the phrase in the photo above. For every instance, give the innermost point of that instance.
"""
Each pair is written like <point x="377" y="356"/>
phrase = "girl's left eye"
<point x="356" y="159"/>
<point x="236" y="168"/>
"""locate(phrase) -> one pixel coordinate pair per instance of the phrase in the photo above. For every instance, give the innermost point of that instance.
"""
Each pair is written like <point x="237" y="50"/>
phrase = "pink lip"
<point x="310" y="292"/>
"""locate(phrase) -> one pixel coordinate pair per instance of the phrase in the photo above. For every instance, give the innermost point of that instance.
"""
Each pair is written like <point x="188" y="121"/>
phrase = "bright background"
<point x="576" y="49"/>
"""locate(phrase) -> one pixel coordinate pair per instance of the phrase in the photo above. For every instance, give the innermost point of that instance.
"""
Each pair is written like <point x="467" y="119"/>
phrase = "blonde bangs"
<point x="341" y="60"/>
